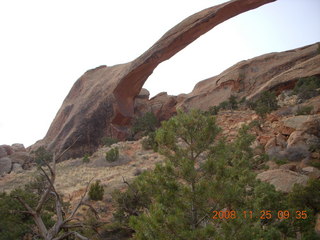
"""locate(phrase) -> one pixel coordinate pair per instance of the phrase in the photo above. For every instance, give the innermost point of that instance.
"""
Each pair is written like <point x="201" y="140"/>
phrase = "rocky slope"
<point x="101" y="102"/>
<point x="273" y="71"/>
<point x="283" y="135"/>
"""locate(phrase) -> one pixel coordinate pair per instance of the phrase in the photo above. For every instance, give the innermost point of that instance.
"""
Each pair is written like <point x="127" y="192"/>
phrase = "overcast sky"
<point x="45" y="46"/>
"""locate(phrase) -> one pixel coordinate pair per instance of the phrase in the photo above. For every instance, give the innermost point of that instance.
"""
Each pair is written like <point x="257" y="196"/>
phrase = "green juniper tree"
<point x="201" y="176"/>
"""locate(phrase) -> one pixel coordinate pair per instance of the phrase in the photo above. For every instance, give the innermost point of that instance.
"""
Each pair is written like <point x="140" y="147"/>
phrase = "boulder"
<point x="296" y="122"/>
<point x="283" y="179"/>
<point x="3" y="152"/>
<point x="289" y="166"/>
<point x="5" y="166"/>
<point x="163" y="105"/>
<point x="6" y="149"/>
<point x="16" y="168"/>
<point x="312" y="172"/>
<point x="18" y="147"/>
<point x="101" y="102"/>
<point x="20" y="157"/>
<point x="297" y="152"/>
<point x="141" y="103"/>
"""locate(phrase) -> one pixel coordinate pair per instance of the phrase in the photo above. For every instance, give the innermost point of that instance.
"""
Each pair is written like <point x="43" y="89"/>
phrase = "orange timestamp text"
<point x="263" y="214"/>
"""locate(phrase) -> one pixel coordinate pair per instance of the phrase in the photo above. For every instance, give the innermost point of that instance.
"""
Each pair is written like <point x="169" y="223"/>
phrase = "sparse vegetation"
<point x="149" y="142"/>
<point x="86" y="158"/>
<point x="315" y="164"/>
<point x="280" y="161"/>
<point x="96" y="191"/>
<point x="307" y="88"/>
<point x="230" y="104"/>
<point x="112" y="155"/>
<point x="15" y="223"/>
<point x="266" y="103"/>
<point x="255" y="123"/>
<point x="108" y="141"/>
<point x="145" y="124"/>
<point x="42" y="155"/>
<point x="304" y="110"/>
<point x="58" y="226"/>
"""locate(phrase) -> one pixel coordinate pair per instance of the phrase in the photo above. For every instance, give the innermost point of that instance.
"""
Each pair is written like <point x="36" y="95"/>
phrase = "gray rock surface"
<point x="283" y="179"/>
<point x="18" y="147"/>
<point x="16" y="168"/>
<point x="5" y="166"/>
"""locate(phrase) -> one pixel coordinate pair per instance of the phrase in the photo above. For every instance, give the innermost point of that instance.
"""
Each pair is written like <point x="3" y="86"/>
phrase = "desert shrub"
<point x="131" y="202"/>
<point x="315" y="164"/>
<point x="307" y="88"/>
<point x="266" y="103"/>
<point x="108" y="141"/>
<point x="255" y="123"/>
<point x="15" y="223"/>
<point x="86" y="158"/>
<point x="96" y="191"/>
<point x="149" y="142"/>
<point x="42" y="155"/>
<point x="230" y="104"/>
<point x="112" y="155"/>
<point x="306" y="197"/>
<point x="280" y="161"/>
<point x="233" y="103"/>
<point x="304" y="110"/>
<point x="145" y="124"/>
<point x="297" y="153"/>
<point x="315" y="147"/>
<point x="242" y="100"/>
<point x="214" y="110"/>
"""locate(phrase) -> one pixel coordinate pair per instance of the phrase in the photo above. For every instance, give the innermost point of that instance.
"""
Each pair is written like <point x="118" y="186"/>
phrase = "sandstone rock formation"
<point x="275" y="71"/>
<point x="101" y="102"/>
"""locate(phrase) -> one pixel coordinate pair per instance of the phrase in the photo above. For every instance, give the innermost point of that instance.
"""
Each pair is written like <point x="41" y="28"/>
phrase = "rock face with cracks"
<point x="101" y="102"/>
<point x="249" y="78"/>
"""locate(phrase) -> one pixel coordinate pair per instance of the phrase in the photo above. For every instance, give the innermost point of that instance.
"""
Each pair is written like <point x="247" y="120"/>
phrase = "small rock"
<point x="272" y="165"/>
<point x="312" y="172"/>
<point x="281" y="140"/>
<point x="137" y="172"/>
<point x="289" y="166"/>
<point x="5" y="166"/>
<point x="286" y="130"/>
<point x="315" y="155"/>
<point x="270" y="144"/>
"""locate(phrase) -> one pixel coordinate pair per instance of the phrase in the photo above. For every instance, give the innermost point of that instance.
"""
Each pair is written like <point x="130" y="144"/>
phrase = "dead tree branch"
<point x="61" y="221"/>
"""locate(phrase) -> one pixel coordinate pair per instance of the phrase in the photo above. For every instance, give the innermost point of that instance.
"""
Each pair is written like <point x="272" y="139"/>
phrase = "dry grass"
<point x="74" y="175"/>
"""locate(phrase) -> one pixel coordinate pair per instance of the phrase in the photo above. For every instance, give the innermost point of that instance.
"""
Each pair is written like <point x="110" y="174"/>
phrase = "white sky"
<point x="45" y="46"/>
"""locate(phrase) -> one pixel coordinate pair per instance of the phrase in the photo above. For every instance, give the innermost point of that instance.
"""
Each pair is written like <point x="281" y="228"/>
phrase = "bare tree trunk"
<point x="62" y="222"/>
